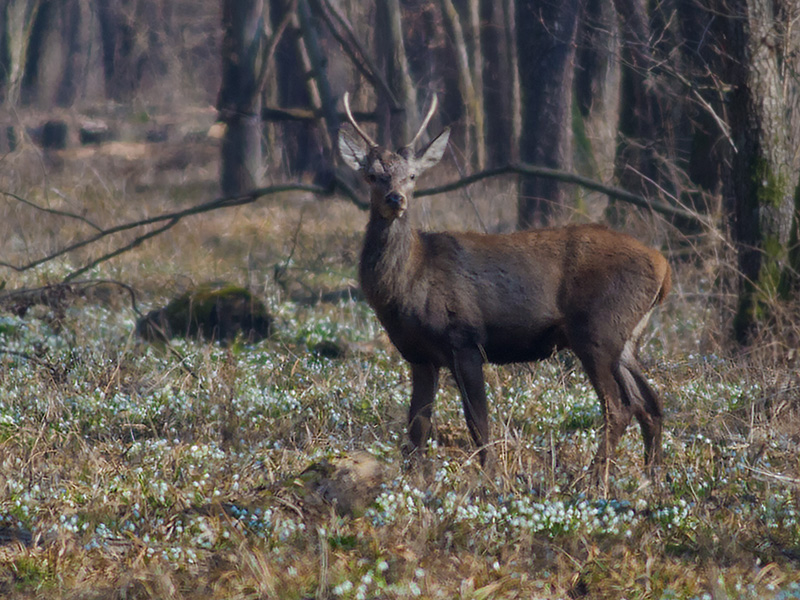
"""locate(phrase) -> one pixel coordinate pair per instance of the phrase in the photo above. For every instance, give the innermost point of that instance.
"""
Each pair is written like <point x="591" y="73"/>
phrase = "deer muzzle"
<point x="395" y="202"/>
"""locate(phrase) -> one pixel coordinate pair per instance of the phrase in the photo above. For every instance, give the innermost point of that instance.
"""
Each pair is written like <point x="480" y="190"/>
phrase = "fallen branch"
<point x="171" y="217"/>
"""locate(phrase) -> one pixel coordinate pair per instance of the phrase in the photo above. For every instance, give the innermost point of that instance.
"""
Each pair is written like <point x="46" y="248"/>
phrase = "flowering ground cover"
<point x="137" y="470"/>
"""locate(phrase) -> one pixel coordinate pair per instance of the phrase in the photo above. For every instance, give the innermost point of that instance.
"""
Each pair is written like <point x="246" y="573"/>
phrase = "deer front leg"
<point x="467" y="369"/>
<point x="424" y="382"/>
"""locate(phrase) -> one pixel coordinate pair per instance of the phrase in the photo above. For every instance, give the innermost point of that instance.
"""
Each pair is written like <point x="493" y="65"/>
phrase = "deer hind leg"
<point x="467" y="368"/>
<point x="617" y="414"/>
<point x="644" y="403"/>
<point x="599" y="349"/>
<point x="424" y="381"/>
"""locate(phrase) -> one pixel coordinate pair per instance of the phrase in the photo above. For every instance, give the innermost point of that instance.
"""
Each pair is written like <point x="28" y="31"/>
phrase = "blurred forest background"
<point x="688" y="107"/>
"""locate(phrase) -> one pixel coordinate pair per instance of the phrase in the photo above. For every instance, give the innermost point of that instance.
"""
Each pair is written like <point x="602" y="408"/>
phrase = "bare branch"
<point x="723" y="126"/>
<point x="341" y="186"/>
<point x="272" y="45"/>
<point x="52" y="211"/>
<point x="20" y="300"/>
<point x="610" y="191"/>
<point x="330" y="12"/>
<point x="133" y="244"/>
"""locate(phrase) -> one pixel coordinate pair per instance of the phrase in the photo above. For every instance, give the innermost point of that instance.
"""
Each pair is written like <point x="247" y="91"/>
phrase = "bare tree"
<point x="130" y="59"/>
<point x="597" y="82"/>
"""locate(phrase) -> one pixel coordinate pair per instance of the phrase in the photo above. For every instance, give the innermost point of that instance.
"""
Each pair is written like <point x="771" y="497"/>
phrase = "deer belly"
<point x="510" y="345"/>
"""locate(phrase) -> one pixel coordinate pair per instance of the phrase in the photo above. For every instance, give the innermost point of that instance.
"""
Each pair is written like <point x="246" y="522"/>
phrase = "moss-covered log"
<point x="217" y="311"/>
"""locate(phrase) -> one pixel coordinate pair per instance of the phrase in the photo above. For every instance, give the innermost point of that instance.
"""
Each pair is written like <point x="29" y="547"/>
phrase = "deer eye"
<point x="371" y="177"/>
<point x="413" y="176"/>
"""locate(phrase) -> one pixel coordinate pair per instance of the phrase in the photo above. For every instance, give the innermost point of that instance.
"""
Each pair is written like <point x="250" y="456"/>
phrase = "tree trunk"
<point x="239" y="102"/>
<point x="546" y="32"/>
<point x="765" y="125"/>
<point x="118" y="38"/>
<point x="597" y="78"/>
<point x="475" y="49"/>
<point x="40" y="35"/>
<point x="75" y="39"/>
<point x="319" y="88"/>
<point x="398" y="123"/>
<point x="19" y="17"/>
<point x="131" y="60"/>
<point x="301" y="150"/>
<point x="640" y="115"/>
<point x="471" y="94"/>
<point x="498" y="84"/>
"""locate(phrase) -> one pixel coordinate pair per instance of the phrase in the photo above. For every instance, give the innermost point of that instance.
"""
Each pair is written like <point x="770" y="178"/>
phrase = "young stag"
<point x="457" y="300"/>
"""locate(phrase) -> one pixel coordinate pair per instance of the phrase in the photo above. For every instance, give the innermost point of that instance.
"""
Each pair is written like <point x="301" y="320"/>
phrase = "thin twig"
<point x="133" y="244"/>
<point x="776" y="476"/>
<point x="52" y="211"/>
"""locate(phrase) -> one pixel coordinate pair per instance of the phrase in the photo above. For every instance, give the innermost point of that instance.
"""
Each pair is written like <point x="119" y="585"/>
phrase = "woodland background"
<point x="692" y="105"/>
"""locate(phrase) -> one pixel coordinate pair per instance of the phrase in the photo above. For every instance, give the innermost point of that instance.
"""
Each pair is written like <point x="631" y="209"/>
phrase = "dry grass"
<point x="129" y="473"/>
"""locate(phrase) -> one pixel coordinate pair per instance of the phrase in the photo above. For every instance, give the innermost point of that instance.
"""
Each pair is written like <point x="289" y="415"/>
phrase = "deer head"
<point x="390" y="175"/>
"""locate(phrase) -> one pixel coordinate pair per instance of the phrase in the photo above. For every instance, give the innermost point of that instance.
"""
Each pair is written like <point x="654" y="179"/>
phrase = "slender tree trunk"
<point x="468" y="86"/>
<point x="239" y="102"/>
<point x="40" y="35"/>
<point x="704" y="65"/>
<point x="396" y="125"/>
<point x="546" y="32"/>
<point x="118" y="37"/>
<point x="75" y="35"/>
<point x="319" y="80"/>
<point x="498" y="84"/>
<point x="19" y="17"/>
<point x="510" y="10"/>
<point x="131" y="60"/>
<point x="475" y="48"/>
<point x="640" y="114"/>
<point x="301" y="150"/>
<point x="597" y="79"/>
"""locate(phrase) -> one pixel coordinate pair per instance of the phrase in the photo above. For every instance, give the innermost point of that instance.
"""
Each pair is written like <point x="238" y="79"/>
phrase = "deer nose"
<point x="395" y="200"/>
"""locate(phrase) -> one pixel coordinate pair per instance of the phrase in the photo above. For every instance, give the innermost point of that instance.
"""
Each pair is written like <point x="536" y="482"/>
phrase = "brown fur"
<point x="456" y="300"/>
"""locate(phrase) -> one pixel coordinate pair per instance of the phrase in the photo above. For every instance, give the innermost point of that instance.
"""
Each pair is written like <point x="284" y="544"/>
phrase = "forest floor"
<point x="193" y="470"/>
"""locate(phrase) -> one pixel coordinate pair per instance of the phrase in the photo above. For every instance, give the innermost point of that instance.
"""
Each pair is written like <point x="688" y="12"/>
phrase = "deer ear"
<point x="434" y="152"/>
<point x="352" y="149"/>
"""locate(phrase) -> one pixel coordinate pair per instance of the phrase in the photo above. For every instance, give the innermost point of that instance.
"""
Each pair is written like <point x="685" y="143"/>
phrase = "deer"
<point x="457" y="300"/>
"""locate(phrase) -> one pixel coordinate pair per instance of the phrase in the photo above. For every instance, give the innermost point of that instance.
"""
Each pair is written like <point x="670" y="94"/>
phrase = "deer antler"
<point x="350" y="118"/>
<point x="425" y="121"/>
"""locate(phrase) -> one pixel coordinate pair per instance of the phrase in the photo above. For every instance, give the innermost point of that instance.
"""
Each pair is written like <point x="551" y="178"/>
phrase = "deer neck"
<point x="387" y="259"/>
